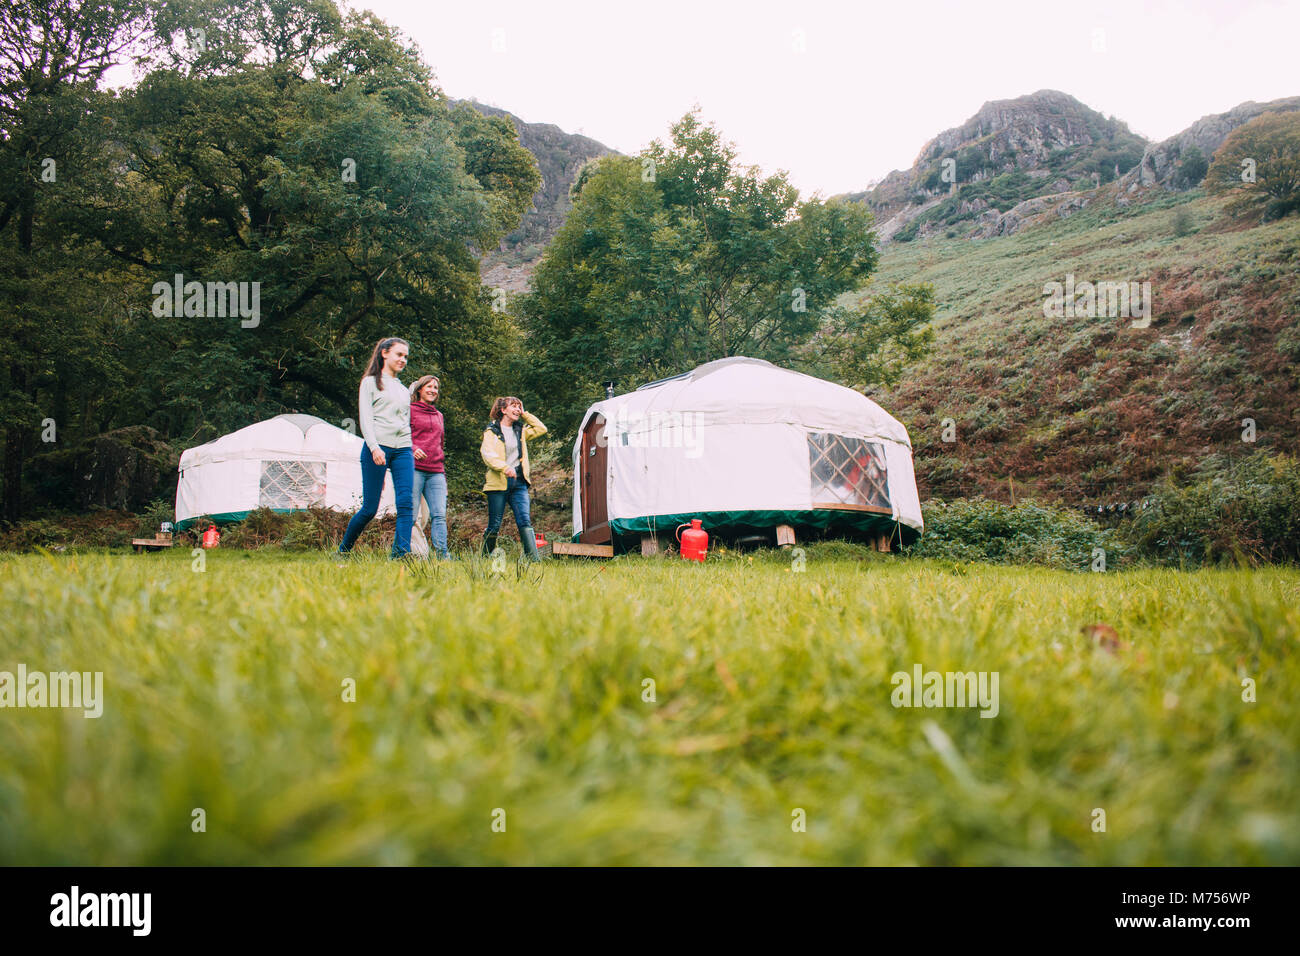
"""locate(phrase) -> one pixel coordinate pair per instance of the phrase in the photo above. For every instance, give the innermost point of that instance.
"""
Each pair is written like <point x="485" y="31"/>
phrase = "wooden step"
<point x="151" y="544"/>
<point x="582" y="550"/>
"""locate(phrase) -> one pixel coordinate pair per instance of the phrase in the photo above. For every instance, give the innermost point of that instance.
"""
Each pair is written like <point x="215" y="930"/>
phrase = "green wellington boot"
<point x="528" y="538"/>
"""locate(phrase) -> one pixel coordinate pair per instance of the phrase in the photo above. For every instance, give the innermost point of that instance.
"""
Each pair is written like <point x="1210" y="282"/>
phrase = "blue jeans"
<point x="401" y="463"/>
<point x="433" y="486"/>
<point x="517" y="492"/>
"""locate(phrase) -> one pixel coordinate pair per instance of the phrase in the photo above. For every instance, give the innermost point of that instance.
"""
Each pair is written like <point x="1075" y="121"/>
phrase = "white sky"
<point x="875" y="80"/>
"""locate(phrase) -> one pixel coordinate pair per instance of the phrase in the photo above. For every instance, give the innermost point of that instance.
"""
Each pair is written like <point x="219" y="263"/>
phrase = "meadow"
<point x="647" y="711"/>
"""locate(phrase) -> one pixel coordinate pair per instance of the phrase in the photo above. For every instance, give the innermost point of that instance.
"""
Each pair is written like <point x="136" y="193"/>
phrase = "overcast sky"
<point x="838" y="94"/>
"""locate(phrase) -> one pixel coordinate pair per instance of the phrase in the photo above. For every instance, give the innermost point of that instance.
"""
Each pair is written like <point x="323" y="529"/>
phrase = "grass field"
<point x="223" y="690"/>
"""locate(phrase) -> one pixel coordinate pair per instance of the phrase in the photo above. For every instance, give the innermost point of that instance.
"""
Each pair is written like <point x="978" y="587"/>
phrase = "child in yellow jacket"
<point x="505" y="452"/>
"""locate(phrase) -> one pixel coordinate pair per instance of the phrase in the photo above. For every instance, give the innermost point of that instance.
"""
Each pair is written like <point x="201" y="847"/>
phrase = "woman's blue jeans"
<point x="433" y="486"/>
<point x="517" y="493"/>
<point x="401" y="463"/>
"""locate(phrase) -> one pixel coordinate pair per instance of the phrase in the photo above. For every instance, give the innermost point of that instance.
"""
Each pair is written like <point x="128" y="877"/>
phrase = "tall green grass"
<point x="524" y="692"/>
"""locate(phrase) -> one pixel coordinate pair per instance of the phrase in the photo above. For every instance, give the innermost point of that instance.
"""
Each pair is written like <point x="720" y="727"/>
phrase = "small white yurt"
<point x="745" y="446"/>
<point x="286" y="463"/>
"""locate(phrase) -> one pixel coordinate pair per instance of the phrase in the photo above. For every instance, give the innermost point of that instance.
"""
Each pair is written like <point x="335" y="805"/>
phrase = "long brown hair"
<point x="499" y="406"/>
<point x="376" y="366"/>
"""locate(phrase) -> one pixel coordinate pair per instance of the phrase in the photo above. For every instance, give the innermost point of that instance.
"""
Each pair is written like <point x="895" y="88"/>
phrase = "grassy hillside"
<point x="223" y="691"/>
<point x="1086" y="409"/>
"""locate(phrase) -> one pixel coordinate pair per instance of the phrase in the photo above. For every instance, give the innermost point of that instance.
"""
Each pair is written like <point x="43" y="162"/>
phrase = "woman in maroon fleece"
<point x="426" y="441"/>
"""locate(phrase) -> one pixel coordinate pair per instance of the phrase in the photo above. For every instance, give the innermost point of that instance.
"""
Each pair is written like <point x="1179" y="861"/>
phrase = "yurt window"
<point x="847" y="473"/>
<point x="292" y="484"/>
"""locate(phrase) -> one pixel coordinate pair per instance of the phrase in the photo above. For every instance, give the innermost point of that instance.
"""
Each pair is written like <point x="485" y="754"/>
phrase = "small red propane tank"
<point x="541" y="539"/>
<point x="694" y="541"/>
<point x="211" y="536"/>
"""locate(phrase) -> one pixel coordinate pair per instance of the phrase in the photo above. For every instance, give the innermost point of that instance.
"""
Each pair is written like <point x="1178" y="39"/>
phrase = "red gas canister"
<point x="211" y="536"/>
<point x="694" y="541"/>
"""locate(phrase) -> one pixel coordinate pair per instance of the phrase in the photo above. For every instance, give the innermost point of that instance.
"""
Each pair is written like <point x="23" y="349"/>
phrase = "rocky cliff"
<point x="1027" y="150"/>
<point x="559" y="156"/>
<point x="1160" y="161"/>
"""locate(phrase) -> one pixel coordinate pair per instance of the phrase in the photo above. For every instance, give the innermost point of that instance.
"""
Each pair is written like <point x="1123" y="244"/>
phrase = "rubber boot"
<point x="528" y="539"/>
<point x="489" y="544"/>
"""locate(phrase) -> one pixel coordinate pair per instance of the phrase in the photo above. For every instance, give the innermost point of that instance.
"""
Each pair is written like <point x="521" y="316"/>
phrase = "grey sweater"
<point x="386" y="414"/>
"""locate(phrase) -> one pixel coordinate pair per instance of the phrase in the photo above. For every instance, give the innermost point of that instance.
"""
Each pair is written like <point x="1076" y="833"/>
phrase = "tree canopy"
<point x="1259" y="165"/>
<point x="679" y="256"/>
<point x="276" y="142"/>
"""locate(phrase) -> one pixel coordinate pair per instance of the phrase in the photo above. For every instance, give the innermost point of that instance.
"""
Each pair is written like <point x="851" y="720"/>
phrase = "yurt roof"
<point x="287" y="436"/>
<point x="743" y="390"/>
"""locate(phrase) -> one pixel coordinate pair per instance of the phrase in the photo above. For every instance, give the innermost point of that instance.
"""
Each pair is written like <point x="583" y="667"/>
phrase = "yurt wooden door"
<point x="593" y="473"/>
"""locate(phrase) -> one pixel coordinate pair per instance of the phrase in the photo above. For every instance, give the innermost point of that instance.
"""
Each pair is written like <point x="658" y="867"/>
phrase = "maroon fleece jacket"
<point x="426" y="434"/>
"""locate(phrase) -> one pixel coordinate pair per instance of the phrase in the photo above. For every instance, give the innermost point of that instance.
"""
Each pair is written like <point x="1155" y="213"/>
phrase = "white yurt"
<point x="286" y="463"/>
<point x="745" y="446"/>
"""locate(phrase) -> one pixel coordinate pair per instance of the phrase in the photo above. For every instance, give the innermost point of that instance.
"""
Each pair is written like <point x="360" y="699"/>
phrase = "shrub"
<point x="59" y="532"/>
<point x="149" y="521"/>
<point x="30" y="535"/>
<point x="1270" y="145"/>
<point x="1244" y="513"/>
<point x="317" y="529"/>
<point x="1288" y="343"/>
<point x="311" y="529"/>
<point x="976" y="529"/>
<point x="1192" y="168"/>
<point x="909" y="232"/>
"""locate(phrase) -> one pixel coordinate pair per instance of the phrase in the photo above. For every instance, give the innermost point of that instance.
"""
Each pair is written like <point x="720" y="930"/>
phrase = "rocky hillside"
<point x="1088" y="408"/>
<point x="1041" y="149"/>
<point x="1085" y="409"/>
<point x="559" y="157"/>
<point x="1163" y="162"/>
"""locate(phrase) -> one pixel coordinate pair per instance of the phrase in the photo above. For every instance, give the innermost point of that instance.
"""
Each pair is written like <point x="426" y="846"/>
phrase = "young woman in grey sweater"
<point x="385" y="412"/>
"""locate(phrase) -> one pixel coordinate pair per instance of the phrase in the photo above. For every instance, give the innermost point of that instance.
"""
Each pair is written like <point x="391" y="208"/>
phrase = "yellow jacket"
<point x="493" y="449"/>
